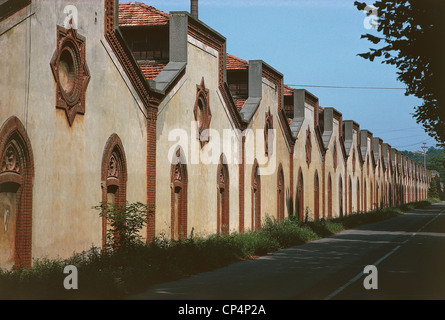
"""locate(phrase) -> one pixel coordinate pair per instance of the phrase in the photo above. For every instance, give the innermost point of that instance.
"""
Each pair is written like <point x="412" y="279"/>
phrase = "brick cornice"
<point x="286" y="129"/>
<point x="231" y="106"/>
<point x="116" y="41"/>
<point x="276" y="78"/>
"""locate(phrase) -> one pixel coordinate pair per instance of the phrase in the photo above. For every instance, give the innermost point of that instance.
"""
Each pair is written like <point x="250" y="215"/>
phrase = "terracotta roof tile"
<point x="151" y="70"/>
<point x="140" y="14"/>
<point x="288" y="90"/>
<point x="234" y="63"/>
<point x="239" y="103"/>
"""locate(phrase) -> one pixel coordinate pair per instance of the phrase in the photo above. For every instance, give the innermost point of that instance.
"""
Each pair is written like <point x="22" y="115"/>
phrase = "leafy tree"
<point x="124" y="224"/>
<point x="435" y="190"/>
<point x="412" y="35"/>
<point x="435" y="159"/>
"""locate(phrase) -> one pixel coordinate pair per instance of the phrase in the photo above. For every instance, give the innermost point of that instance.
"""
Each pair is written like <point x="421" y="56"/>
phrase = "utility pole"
<point x="424" y="147"/>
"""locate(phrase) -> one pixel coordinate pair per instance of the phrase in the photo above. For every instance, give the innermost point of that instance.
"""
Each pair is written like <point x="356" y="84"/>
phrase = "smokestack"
<point x="194" y="8"/>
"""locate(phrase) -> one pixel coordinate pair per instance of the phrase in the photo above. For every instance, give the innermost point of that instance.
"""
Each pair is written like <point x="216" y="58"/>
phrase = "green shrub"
<point x="124" y="224"/>
<point x="114" y="274"/>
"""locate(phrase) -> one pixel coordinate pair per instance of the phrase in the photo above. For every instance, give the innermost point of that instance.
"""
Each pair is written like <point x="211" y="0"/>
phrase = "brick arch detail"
<point x="341" y="204"/>
<point x="223" y="184"/>
<point x="349" y="196"/>
<point x="113" y="149"/>
<point x="280" y="193"/>
<point x="179" y="182"/>
<point x="13" y="130"/>
<point x="358" y="195"/>
<point x="300" y="195"/>
<point x="256" y="201"/>
<point x="316" y="196"/>
<point x="329" y="196"/>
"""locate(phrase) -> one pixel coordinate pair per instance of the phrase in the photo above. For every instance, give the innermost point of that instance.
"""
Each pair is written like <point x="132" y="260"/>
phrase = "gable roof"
<point x="235" y="63"/>
<point x="288" y="91"/>
<point x="140" y="14"/>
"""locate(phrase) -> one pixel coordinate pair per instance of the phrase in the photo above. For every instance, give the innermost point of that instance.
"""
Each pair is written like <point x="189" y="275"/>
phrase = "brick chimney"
<point x="194" y="8"/>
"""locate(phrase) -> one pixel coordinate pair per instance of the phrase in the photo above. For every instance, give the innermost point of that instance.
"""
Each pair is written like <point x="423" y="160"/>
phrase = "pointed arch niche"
<point x="340" y="196"/>
<point x="113" y="176"/>
<point x="280" y="193"/>
<point x="256" y="197"/>
<point x="16" y="174"/>
<point x="300" y="195"/>
<point x="223" y="187"/>
<point x="179" y="183"/>
<point x="316" y="197"/>
<point x="329" y="196"/>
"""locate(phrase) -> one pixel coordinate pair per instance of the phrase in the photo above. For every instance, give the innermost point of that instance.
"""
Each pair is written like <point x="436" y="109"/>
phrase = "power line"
<point x="404" y="137"/>
<point x="343" y="87"/>
<point x="410" y="145"/>
<point x="404" y="129"/>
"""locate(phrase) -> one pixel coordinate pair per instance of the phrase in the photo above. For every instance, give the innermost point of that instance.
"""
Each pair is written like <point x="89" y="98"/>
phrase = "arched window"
<point x="280" y="194"/>
<point x="401" y="191"/>
<point x="329" y="196"/>
<point x="365" y="198"/>
<point x="353" y="161"/>
<point x="268" y="147"/>
<point x="222" y="224"/>
<point x="316" y="197"/>
<point x="16" y="174"/>
<point x="113" y="176"/>
<point x="358" y="196"/>
<point x="350" y="196"/>
<point x="340" y="196"/>
<point x="377" y="194"/>
<point x="388" y="194"/>
<point x="256" y="197"/>
<point x="300" y="195"/>
<point x="179" y="182"/>
<point x="367" y="165"/>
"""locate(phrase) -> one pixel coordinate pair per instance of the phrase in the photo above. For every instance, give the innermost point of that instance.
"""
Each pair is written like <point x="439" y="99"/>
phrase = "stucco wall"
<point x="268" y="165"/>
<point x="67" y="181"/>
<point x="315" y="165"/>
<point x="68" y="159"/>
<point x="176" y="113"/>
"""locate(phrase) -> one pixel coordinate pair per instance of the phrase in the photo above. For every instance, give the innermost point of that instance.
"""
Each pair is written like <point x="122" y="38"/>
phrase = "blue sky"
<point x="316" y="42"/>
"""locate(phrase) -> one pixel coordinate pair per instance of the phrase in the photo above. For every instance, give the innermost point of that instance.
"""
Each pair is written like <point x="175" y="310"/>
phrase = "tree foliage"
<point x="124" y="224"/>
<point x="435" y="159"/>
<point x="435" y="191"/>
<point x="411" y="39"/>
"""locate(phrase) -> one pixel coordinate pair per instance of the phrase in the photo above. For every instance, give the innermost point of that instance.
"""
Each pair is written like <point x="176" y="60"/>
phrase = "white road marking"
<point x="359" y="275"/>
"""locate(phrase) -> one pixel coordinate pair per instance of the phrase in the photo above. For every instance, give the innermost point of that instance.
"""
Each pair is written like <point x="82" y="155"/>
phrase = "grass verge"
<point x="105" y="275"/>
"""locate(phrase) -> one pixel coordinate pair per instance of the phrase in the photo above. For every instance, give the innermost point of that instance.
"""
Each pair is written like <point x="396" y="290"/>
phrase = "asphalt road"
<point x="407" y="251"/>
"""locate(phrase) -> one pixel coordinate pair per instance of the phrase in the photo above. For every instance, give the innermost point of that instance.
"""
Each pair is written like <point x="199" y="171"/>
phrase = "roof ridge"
<point x="235" y="63"/>
<point x="288" y="90"/>
<point x="236" y="58"/>
<point x="138" y="13"/>
<point x="146" y="6"/>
